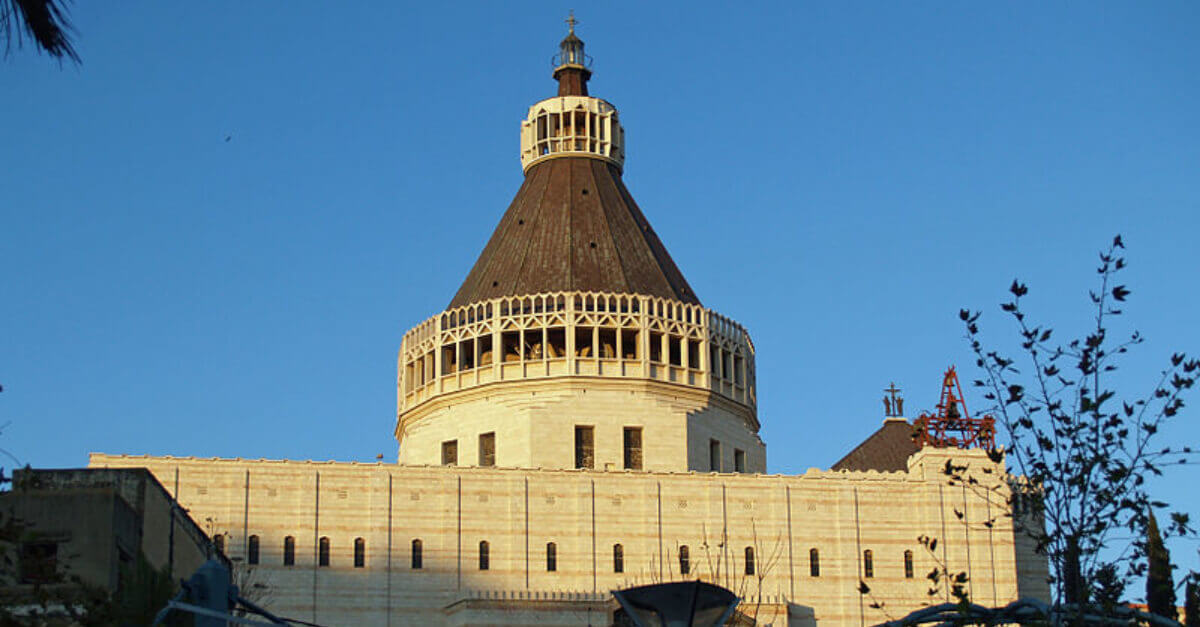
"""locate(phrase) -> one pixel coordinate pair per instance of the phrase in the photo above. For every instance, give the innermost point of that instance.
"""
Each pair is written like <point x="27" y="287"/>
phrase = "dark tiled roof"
<point x="888" y="449"/>
<point x="573" y="226"/>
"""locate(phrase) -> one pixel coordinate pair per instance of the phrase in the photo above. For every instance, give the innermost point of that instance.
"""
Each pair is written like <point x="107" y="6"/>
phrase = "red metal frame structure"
<point x="951" y="426"/>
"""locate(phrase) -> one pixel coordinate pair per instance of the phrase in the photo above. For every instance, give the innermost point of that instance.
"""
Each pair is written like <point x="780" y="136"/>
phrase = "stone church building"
<point x="576" y="421"/>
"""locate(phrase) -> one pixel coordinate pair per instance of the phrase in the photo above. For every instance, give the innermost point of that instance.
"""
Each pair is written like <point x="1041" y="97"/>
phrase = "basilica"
<point x="576" y="422"/>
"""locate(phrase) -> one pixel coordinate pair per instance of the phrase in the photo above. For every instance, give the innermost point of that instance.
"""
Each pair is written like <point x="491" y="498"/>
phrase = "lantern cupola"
<point x="572" y="68"/>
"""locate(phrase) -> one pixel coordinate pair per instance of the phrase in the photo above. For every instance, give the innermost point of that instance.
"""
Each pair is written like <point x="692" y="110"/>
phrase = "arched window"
<point x="323" y="551"/>
<point x="749" y="560"/>
<point x="814" y="563"/>
<point x="551" y="556"/>
<point x="868" y="564"/>
<point x="289" y="551"/>
<point x="908" y="565"/>
<point x="360" y="553"/>
<point x="219" y="543"/>
<point x="484" y="555"/>
<point x="417" y="558"/>
<point x="252" y="550"/>
<point x="685" y="560"/>
<point x="618" y="558"/>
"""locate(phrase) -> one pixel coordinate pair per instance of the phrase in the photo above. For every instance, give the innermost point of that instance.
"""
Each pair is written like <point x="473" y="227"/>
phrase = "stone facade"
<point x="651" y="515"/>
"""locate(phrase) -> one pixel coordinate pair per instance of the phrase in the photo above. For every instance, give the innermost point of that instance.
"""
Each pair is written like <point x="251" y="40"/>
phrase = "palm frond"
<point x="43" y="21"/>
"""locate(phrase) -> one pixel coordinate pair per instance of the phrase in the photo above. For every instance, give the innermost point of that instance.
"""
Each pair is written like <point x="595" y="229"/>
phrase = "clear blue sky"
<point x="841" y="178"/>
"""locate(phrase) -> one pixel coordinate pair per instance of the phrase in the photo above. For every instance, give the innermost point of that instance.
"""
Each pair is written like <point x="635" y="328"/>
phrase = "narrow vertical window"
<point x="551" y="557"/>
<point x="252" y="550"/>
<point x="868" y="564"/>
<point x="749" y="560"/>
<point x="289" y="551"/>
<point x="908" y="565"/>
<point x="618" y="558"/>
<point x="814" y="563"/>
<point x="633" y="448"/>
<point x="685" y="560"/>
<point x="219" y="543"/>
<point x="487" y="449"/>
<point x="739" y="460"/>
<point x="323" y="551"/>
<point x="360" y="553"/>
<point x="485" y="559"/>
<point x="714" y="455"/>
<point x="417" y="557"/>
<point x="584" y="457"/>
<point x="450" y="452"/>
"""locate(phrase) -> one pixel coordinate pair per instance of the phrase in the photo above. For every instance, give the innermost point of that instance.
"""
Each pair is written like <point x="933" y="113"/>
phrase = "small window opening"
<point x="685" y="562"/>
<point x="608" y="343"/>
<point x="737" y="370"/>
<point x="449" y="358"/>
<point x="714" y="455"/>
<point x="739" y="460"/>
<point x="633" y="448"/>
<point x="749" y="560"/>
<point x="556" y="340"/>
<point x="618" y="558"/>
<point x="584" y="457"/>
<point x="533" y="345"/>
<point x="417" y="556"/>
<point x="289" y="551"/>
<point x="583" y="342"/>
<point x="814" y="563"/>
<point x="252" y="550"/>
<point x="487" y="449"/>
<point x="868" y="564"/>
<point x="584" y="192"/>
<point x="676" y="351"/>
<point x="511" y="340"/>
<point x="694" y="354"/>
<point x="908" y="565"/>
<point x="323" y="551"/>
<point x="450" y="453"/>
<point x="484" y="555"/>
<point x="656" y="340"/>
<point x="629" y="344"/>
<point x="219" y="543"/>
<point x="360" y="553"/>
<point x="466" y="351"/>
<point x="485" y="350"/>
<point x="39" y="562"/>
<point x="551" y="557"/>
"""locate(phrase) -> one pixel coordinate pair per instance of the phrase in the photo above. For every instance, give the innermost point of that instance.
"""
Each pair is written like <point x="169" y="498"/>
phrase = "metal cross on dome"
<point x="571" y="21"/>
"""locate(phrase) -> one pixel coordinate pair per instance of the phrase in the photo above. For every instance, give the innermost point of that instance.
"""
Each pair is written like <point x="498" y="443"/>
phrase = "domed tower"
<point x="575" y="341"/>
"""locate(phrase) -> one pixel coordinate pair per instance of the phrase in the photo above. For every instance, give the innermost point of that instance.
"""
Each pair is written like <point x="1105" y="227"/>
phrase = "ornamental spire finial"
<point x="571" y="64"/>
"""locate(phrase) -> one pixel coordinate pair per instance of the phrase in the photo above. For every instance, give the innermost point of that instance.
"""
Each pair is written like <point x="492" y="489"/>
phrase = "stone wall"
<point x="585" y="513"/>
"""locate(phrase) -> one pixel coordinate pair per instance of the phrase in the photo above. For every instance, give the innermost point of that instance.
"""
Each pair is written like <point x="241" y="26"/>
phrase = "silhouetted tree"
<point x="1191" y="603"/>
<point x="45" y="22"/>
<point x="1083" y="453"/>
<point x="1107" y="586"/>
<point x="1160" y="584"/>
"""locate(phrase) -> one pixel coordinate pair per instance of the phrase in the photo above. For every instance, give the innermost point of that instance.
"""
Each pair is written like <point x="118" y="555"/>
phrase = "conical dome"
<point x="573" y="226"/>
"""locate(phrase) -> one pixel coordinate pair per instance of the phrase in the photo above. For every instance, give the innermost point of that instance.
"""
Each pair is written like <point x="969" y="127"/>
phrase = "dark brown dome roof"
<point x="573" y="226"/>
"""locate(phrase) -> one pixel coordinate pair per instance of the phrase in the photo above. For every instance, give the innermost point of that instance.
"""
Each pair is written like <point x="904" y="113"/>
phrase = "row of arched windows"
<point x="685" y="565"/>
<point x="868" y="564"/>
<point x="253" y="550"/>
